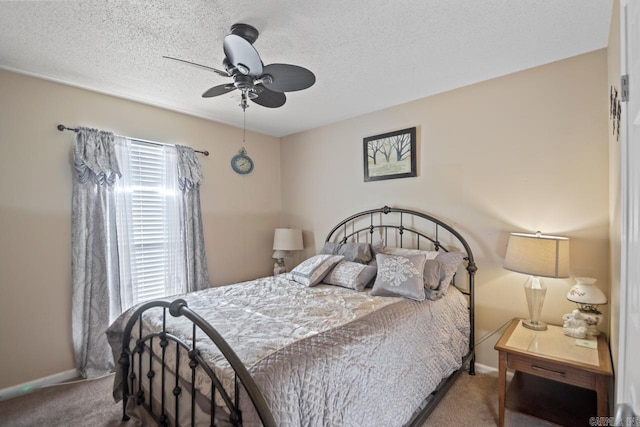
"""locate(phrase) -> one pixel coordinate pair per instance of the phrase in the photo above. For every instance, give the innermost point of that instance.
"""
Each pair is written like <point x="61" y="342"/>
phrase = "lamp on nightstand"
<point x="588" y="297"/>
<point x="284" y="241"/>
<point x="538" y="256"/>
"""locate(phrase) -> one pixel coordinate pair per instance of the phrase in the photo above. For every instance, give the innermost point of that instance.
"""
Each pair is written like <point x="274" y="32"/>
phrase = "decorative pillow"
<point x="433" y="274"/>
<point x="354" y="252"/>
<point x="432" y="294"/>
<point x="400" y="276"/>
<point x="350" y="275"/>
<point x="376" y="248"/>
<point x="311" y="271"/>
<point x="438" y="273"/>
<point x="450" y="261"/>
<point x="389" y="250"/>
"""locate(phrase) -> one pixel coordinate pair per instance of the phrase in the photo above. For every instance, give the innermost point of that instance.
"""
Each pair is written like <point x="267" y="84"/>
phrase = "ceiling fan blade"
<point x="219" y="90"/>
<point x="242" y="55"/>
<point x="270" y="99"/>
<point x="204" y="67"/>
<point x="288" y="78"/>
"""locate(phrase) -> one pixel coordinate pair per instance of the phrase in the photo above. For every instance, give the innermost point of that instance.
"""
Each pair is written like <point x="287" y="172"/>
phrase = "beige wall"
<point x="239" y="213"/>
<point x="613" y="72"/>
<point x="523" y="152"/>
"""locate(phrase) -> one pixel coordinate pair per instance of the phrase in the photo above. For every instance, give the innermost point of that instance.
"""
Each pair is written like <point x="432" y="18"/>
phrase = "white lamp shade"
<point x="538" y="255"/>
<point x="287" y="239"/>
<point x="584" y="292"/>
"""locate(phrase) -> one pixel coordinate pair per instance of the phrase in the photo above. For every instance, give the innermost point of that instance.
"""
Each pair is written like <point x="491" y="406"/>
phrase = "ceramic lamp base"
<point x="279" y="267"/>
<point x="535" y="325"/>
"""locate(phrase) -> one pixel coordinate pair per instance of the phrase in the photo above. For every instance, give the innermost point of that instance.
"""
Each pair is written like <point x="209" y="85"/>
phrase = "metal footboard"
<point x="135" y="368"/>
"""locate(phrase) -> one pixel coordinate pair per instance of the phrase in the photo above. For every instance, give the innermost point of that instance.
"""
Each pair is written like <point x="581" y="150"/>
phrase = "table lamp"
<point x="538" y="256"/>
<point x="588" y="298"/>
<point x="284" y="241"/>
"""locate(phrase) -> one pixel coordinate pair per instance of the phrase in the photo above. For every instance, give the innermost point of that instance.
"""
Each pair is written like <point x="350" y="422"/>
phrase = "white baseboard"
<point x="37" y="384"/>
<point x="490" y="370"/>
<point x="486" y="369"/>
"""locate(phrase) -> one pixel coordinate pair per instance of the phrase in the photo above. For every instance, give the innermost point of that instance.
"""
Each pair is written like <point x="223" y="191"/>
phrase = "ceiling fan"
<point x="263" y="84"/>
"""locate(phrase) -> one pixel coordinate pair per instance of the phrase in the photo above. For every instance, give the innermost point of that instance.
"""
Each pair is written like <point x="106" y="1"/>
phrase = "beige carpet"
<point x="472" y="401"/>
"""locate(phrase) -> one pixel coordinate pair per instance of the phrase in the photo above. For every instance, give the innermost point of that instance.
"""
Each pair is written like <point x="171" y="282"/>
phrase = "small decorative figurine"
<point x="574" y="324"/>
<point x="588" y="297"/>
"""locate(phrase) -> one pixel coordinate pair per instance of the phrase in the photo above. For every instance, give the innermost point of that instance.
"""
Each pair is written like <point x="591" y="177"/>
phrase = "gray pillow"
<point x="432" y="294"/>
<point x="354" y="252"/>
<point x="376" y="247"/>
<point x="350" y="275"/>
<point x="433" y="274"/>
<point x="400" y="276"/>
<point x="439" y="272"/>
<point x="311" y="271"/>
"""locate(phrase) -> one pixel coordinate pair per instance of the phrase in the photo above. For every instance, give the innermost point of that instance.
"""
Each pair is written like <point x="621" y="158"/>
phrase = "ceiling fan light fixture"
<point x="242" y="82"/>
<point x="265" y="79"/>
<point x="243" y="69"/>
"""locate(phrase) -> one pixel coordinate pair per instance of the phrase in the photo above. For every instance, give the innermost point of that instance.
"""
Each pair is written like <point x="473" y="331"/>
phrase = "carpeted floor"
<point x="472" y="401"/>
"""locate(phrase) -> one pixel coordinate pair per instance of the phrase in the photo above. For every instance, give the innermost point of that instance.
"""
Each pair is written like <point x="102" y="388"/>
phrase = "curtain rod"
<point x="63" y="128"/>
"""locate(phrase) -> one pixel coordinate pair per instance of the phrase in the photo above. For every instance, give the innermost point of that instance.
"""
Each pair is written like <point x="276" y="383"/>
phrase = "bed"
<point x="275" y="352"/>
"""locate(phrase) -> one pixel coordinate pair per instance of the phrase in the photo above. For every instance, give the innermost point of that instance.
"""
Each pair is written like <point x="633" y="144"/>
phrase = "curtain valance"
<point x="94" y="156"/>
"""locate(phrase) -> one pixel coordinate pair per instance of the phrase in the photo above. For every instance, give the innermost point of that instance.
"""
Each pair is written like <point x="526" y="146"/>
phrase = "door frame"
<point x="627" y="399"/>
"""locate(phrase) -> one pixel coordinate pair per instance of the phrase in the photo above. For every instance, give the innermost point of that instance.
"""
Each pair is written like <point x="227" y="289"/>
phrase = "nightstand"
<point x="552" y="374"/>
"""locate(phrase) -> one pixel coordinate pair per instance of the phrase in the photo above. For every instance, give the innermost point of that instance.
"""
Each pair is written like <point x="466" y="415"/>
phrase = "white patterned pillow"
<point x="311" y="271"/>
<point x="400" y="276"/>
<point x="350" y="275"/>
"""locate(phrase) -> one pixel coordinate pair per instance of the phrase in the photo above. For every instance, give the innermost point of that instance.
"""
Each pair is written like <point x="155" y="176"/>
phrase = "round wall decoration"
<point x="241" y="163"/>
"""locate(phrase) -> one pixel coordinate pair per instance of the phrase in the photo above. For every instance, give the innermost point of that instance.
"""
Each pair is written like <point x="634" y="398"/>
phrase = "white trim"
<point x="486" y="369"/>
<point x="37" y="384"/>
<point x="620" y="383"/>
<point x="490" y="370"/>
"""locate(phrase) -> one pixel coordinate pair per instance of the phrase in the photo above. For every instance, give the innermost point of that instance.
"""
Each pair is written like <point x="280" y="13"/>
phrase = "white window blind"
<point x="148" y="223"/>
<point x="148" y="220"/>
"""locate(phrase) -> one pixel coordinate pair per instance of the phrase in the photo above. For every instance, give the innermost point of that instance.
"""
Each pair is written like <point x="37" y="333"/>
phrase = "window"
<point x="148" y="226"/>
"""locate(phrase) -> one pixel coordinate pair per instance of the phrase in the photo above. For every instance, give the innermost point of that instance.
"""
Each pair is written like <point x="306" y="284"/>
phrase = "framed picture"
<point x="390" y="155"/>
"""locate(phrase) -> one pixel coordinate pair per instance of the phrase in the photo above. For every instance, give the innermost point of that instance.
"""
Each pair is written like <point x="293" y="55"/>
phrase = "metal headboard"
<point x="408" y="225"/>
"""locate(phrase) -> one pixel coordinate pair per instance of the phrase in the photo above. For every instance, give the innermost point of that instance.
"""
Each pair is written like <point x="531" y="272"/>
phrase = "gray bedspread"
<point x="326" y="356"/>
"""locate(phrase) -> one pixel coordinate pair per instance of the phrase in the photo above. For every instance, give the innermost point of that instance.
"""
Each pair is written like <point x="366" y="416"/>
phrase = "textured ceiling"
<point x="366" y="54"/>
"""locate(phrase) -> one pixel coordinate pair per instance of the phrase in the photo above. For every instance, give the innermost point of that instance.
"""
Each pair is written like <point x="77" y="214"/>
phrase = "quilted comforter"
<point x="326" y="355"/>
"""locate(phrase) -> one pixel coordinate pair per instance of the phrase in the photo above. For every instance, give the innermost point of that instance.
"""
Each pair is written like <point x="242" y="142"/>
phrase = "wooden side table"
<point x="551" y="355"/>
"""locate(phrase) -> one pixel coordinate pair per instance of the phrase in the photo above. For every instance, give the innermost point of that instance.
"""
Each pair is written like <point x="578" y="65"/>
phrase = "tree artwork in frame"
<point x="390" y="155"/>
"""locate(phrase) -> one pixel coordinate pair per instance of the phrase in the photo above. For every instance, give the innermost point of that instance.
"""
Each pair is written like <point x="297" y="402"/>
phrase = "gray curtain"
<point x="96" y="299"/>
<point x="189" y="179"/>
<point x="96" y="265"/>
